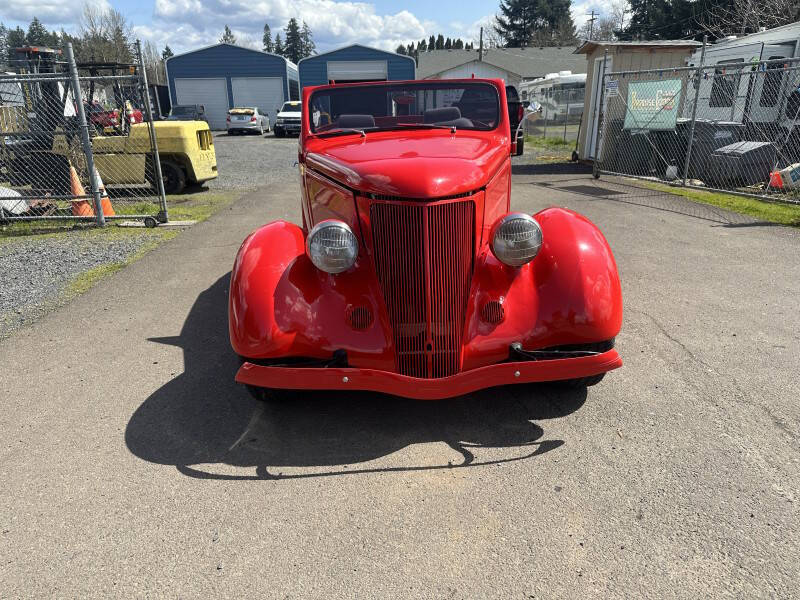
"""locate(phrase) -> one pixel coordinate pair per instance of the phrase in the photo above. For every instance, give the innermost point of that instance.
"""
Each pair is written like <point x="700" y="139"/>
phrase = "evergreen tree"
<point x="279" y="48"/>
<point x="458" y="44"/>
<point x="3" y="44"/>
<point x="37" y="33"/>
<point x="401" y="49"/>
<point x="227" y="36"/>
<point x="293" y="49"/>
<point x="167" y="52"/>
<point x="440" y="42"/>
<point x="266" y="40"/>
<point x="422" y="46"/>
<point x="534" y="22"/>
<point x="15" y="38"/>
<point x="668" y="19"/>
<point x="431" y="44"/>
<point x="307" y="39"/>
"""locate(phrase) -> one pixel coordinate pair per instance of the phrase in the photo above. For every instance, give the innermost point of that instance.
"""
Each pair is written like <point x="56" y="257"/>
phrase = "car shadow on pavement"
<point x="204" y="423"/>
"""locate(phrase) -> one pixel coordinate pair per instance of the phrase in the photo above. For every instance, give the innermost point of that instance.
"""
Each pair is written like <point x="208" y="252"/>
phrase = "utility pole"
<point x="480" y="47"/>
<point x="591" y="23"/>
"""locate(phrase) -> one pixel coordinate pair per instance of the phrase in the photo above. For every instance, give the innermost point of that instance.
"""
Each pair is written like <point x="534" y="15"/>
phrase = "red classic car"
<point x="409" y="274"/>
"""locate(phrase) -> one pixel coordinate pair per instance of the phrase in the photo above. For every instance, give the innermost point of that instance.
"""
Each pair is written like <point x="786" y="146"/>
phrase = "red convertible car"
<point x="409" y="274"/>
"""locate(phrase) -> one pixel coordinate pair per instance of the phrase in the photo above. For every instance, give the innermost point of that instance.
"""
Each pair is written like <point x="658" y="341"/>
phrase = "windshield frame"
<point x="443" y="84"/>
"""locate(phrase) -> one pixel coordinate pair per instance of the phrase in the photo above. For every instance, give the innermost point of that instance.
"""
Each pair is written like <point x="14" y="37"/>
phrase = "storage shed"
<point x="355" y="63"/>
<point x="621" y="56"/>
<point x="223" y="76"/>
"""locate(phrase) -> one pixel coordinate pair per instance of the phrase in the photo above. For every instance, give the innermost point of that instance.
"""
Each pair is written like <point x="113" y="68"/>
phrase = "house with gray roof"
<point x="512" y="64"/>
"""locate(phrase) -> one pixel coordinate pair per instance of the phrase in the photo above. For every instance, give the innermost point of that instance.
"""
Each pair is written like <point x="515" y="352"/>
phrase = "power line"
<point x="591" y="22"/>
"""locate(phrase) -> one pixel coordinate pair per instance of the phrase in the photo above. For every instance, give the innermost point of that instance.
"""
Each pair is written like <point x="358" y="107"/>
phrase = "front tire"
<point x="173" y="176"/>
<point x="581" y="382"/>
<point x="279" y="133"/>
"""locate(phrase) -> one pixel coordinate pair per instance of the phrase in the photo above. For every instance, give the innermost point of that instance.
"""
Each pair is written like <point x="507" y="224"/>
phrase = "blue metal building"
<point x="355" y="63"/>
<point x="223" y="76"/>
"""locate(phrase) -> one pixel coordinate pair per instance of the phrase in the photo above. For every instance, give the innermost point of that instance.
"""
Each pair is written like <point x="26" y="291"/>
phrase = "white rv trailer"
<point x="738" y="89"/>
<point x="559" y="94"/>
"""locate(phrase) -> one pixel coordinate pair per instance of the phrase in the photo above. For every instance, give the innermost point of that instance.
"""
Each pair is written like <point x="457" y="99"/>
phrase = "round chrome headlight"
<point x="332" y="246"/>
<point x="516" y="239"/>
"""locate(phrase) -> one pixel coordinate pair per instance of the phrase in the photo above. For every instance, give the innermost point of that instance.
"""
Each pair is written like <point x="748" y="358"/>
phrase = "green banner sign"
<point x="653" y="104"/>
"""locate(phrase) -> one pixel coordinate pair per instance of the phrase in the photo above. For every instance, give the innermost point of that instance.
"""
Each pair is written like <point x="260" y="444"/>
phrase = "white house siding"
<point x="479" y="69"/>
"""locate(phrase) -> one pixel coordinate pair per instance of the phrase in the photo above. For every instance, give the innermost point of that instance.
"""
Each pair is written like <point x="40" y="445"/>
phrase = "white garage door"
<point x="266" y="93"/>
<point x="357" y="70"/>
<point x="211" y="93"/>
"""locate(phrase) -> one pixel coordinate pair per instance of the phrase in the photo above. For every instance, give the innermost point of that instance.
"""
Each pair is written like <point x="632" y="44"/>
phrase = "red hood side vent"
<point x="423" y="256"/>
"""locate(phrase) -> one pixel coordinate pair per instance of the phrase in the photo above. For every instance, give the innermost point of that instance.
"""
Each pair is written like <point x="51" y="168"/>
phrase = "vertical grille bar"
<point x="426" y="299"/>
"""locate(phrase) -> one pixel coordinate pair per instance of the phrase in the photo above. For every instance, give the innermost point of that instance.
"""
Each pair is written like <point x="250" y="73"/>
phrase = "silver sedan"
<point x="246" y="119"/>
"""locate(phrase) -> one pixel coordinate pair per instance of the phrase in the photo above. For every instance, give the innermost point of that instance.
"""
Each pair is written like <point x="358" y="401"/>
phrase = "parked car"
<point x="188" y="112"/>
<point x="410" y="274"/>
<point x="288" y="118"/>
<point x="246" y="120"/>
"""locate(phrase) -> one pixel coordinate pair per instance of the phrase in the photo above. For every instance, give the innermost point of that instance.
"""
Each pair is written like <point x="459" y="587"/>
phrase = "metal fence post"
<point x="596" y="164"/>
<point x="566" y="118"/>
<point x="85" y="140"/>
<point x="163" y="216"/>
<point x="699" y="77"/>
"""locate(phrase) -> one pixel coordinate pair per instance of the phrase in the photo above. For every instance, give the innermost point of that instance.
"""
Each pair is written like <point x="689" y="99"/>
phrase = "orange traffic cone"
<point x="105" y="202"/>
<point x="80" y="207"/>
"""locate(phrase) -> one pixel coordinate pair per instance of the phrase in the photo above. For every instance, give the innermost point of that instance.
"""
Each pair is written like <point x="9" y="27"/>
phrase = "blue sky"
<point x="187" y="24"/>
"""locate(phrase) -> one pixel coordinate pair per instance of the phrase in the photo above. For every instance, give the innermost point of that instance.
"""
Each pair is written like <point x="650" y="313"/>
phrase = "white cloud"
<point x="185" y="24"/>
<point x="50" y="12"/>
<point x="580" y="10"/>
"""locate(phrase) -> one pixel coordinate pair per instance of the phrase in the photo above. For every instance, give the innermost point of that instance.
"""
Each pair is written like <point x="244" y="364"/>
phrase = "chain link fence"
<point x="557" y="112"/>
<point x="728" y="127"/>
<point x="77" y="140"/>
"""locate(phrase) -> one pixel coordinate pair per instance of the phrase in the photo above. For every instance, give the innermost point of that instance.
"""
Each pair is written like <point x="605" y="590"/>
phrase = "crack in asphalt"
<point x="737" y="393"/>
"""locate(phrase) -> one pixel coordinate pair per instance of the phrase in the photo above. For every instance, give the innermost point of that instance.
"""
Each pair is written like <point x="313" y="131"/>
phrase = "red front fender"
<point x="281" y="305"/>
<point x="569" y="294"/>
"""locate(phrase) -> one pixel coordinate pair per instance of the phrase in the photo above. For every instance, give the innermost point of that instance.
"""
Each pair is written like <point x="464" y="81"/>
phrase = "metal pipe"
<point x="699" y="78"/>
<point x="163" y="216"/>
<point x="85" y="140"/>
<point x="597" y="123"/>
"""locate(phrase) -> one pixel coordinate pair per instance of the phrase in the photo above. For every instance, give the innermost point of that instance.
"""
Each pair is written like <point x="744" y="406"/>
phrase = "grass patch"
<point x="196" y="206"/>
<point x="772" y="212"/>
<point x="549" y="149"/>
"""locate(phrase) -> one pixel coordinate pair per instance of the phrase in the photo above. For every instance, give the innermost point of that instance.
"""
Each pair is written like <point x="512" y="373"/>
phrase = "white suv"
<point x="288" y="119"/>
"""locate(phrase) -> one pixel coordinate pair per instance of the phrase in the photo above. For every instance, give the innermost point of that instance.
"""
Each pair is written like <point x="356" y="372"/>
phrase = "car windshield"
<point x="291" y="107"/>
<point x="183" y="110"/>
<point x="407" y="105"/>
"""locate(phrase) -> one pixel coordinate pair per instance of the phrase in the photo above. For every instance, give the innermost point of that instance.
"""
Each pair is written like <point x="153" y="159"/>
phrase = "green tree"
<point x="293" y="50"/>
<point x="15" y="38"/>
<point x="227" y="36"/>
<point x="279" y="48"/>
<point x="401" y="49"/>
<point x="167" y="52"/>
<point x="422" y="46"/>
<point x="37" y="33"/>
<point x="266" y="40"/>
<point x="307" y="40"/>
<point x="431" y="44"/>
<point x="440" y="42"/>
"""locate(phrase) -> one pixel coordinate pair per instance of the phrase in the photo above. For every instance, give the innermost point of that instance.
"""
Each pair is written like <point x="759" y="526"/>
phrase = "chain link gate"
<point x="730" y="127"/>
<point x="77" y="140"/>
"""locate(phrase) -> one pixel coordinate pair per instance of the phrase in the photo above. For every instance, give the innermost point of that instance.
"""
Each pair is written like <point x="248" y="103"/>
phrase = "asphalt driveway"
<point x="133" y="465"/>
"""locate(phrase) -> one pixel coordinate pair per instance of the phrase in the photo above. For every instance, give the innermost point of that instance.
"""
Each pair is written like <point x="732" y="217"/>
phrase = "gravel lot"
<point x="36" y="271"/>
<point x="247" y="162"/>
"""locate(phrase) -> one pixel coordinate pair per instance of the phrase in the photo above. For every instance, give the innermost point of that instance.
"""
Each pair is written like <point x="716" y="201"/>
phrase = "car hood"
<point x="289" y="115"/>
<point x="434" y="165"/>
